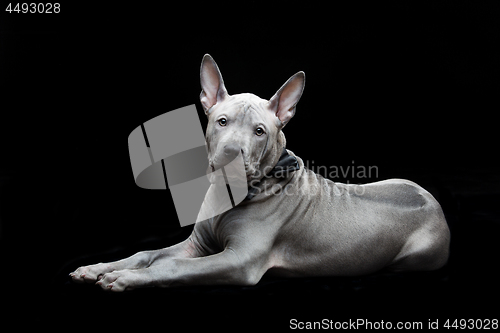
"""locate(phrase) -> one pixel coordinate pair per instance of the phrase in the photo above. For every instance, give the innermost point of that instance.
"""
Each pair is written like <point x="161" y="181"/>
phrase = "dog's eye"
<point x="259" y="131"/>
<point x="222" y="121"/>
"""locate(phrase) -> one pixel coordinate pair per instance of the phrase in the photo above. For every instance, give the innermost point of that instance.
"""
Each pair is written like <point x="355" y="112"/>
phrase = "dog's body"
<point x="300" y="224"/>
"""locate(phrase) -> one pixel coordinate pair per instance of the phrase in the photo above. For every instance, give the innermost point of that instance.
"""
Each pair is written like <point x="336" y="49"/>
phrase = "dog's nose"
<point x="227" y="154"/>
<point x="231" y="150"/>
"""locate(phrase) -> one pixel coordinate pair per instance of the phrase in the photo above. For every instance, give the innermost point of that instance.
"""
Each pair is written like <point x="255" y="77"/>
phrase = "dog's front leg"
<point x="222" y="268"/>
<point x="142" y="259"/>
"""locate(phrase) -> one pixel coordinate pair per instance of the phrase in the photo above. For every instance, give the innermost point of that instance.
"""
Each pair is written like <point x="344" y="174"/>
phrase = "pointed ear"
<point x="283" y="103"/>
<point x="212" y="85"/>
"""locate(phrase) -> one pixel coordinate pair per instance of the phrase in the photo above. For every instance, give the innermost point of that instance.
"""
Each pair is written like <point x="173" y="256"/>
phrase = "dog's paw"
<point x="90" y="274"/>
<point x="117" y="281"/>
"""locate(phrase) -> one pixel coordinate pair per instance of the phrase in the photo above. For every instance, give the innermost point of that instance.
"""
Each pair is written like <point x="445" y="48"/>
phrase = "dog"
<point x="293" y="222"/>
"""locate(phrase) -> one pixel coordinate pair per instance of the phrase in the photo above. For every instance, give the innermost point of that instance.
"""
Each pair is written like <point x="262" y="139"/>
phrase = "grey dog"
<point x="294" y="223"/>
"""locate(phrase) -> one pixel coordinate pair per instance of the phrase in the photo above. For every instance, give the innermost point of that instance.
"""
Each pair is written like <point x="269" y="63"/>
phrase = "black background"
<point x="409" y="87"/>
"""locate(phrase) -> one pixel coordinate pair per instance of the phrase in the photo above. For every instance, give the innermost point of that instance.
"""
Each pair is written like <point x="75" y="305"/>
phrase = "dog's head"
<point x="245" y="122"/>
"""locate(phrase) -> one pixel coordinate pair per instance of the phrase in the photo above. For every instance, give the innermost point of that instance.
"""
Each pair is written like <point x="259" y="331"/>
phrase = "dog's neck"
<point x="283" y="168"/>
<point x="272" y="155"/>
<point x="270" y="158"/>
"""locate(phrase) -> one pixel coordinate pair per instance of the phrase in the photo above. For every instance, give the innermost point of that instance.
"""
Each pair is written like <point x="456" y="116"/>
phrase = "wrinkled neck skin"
<point x="271" y="158"/>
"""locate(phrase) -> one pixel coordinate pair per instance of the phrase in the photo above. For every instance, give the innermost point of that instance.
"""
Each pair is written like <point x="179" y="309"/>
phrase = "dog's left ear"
<point x="212" y="85"/>
<point x="283" y="103"/>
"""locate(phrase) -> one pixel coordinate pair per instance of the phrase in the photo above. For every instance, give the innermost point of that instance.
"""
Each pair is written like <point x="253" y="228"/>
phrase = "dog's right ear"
<point x="212" y="85"/>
